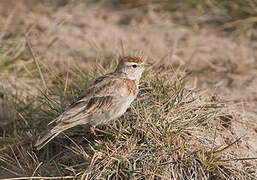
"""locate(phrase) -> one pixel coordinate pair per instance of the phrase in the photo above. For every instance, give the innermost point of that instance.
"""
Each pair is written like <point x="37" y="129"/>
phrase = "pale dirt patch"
<point x="81" y="34"/>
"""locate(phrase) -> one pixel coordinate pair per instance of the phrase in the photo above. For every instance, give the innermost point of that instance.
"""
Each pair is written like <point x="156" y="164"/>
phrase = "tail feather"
<point x="42" y="141"/>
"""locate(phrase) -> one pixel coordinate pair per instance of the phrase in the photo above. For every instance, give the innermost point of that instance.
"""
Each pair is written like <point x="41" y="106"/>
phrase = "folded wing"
<point x="96" y="100"/>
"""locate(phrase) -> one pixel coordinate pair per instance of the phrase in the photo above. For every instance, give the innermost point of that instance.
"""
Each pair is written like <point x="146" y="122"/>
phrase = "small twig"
<point x="122" y="48"/>
<point x="235" y="23"/>
<point x="37" y="64"/>
<point x="239" y="159"/>
<point x="226" y="147"/>
<point x="36" y="169"/>
<point x="67" y="78"/>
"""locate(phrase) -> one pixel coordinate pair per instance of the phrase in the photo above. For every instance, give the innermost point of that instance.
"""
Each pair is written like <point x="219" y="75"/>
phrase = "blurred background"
<point x="45" y="44"/>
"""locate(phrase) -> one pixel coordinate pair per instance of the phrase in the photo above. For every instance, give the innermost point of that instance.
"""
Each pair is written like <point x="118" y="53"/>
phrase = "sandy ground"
<point x="82" y="33"/>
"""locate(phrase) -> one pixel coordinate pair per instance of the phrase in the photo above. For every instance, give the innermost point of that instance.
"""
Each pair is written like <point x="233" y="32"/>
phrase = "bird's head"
<point x="132" y="67"/>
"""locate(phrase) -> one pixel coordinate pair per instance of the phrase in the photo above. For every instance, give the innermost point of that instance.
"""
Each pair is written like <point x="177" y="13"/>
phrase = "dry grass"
<point x="195" y="116"/>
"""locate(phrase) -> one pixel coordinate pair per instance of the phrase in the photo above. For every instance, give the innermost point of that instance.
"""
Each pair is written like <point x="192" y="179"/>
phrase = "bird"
<point x="105" y="100"/>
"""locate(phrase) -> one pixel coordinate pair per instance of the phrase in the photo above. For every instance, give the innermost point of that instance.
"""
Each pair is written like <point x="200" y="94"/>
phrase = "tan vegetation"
<point x="195" y="116"/>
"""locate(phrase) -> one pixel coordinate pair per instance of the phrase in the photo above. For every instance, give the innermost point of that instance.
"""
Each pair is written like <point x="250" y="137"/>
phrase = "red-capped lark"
<point x="105" y="100"/>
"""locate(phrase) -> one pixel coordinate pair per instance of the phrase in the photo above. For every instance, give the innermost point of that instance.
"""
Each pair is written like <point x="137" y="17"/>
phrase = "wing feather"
<point x="97" y="98"/>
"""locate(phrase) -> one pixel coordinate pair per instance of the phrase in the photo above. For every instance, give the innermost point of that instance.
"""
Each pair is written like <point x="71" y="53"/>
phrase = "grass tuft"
<point x="194" y="115"/>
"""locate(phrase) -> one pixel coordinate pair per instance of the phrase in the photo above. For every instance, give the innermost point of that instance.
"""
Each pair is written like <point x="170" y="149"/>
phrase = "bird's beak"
<point x="147" y="64"/>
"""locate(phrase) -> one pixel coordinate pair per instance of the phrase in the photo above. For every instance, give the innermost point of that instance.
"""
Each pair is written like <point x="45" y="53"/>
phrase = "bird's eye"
<point x="134" y="65"/>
